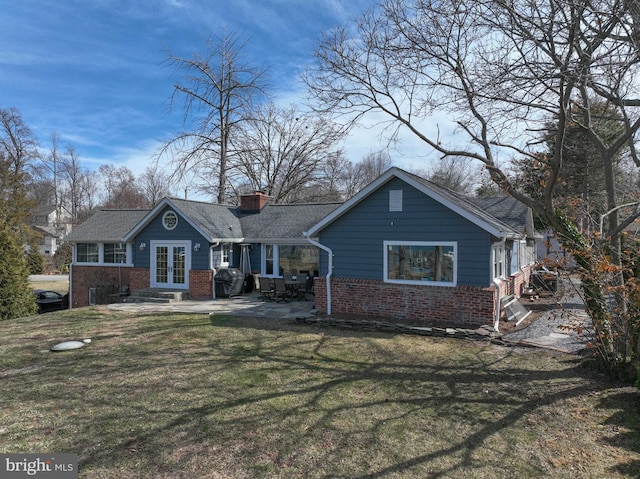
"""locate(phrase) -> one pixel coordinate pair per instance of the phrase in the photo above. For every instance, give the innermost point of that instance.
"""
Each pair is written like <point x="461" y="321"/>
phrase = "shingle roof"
<point x="506" y="209"/>
<point x="502" y="213"/>
<point x="107" y="225"/>
<point x="216" y="221"/>
<point x="282" y="221"/>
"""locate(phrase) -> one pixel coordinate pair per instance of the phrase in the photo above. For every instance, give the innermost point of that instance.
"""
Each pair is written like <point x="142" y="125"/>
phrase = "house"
<point x="51" y="224"/>
<point x="401" y="248"/>
<point x="408" y="249"/>
<point x="180" y="245"/>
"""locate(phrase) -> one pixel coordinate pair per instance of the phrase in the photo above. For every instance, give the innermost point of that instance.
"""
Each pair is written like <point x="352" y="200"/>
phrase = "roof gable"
<point x="214" y="222"/>
<point x="461" y="205"/>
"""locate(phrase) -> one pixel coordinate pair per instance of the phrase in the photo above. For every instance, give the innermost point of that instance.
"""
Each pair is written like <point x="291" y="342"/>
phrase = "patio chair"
<point x="267" y="292"/>
<point x="306" y="292"/>
<point x="281" y="292"/>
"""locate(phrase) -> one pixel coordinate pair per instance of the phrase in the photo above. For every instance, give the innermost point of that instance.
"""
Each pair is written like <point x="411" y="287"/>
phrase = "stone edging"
<point x="481" y="333"/>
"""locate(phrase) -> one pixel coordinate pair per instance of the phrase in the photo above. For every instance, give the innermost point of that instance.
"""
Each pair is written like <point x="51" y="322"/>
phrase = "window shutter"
<point x="395" y="200"/>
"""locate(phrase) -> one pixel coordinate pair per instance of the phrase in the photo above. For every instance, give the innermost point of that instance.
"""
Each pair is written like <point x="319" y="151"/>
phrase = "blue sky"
<point x="95" y="71"/>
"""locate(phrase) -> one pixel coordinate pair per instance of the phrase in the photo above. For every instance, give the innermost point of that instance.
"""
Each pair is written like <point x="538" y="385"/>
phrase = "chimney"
<point x="253" y="203"/>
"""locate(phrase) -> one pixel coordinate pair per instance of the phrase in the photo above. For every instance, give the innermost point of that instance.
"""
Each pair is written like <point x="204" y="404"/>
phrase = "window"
<point x="170" y="220"/>
<point x="498" y="260"/>
<point x="87" y="253"/>
<point x="280" y="259"/>
<point x="102" y="253"/>
<point x="298" y="258"/>
<point x="420" y="262"/>
<point x="226" y="255"/>
<point x="115" y="253"/>
<point x="269" y="252"/>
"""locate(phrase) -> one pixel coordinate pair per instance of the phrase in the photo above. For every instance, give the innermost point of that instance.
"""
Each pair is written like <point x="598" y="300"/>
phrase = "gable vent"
<point x="395" y="200"/>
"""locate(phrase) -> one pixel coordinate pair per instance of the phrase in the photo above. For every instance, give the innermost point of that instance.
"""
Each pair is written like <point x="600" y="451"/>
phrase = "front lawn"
<point x="171" y="396"/>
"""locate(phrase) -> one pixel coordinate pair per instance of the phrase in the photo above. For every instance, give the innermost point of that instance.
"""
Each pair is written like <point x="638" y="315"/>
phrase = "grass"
<point x="171" y="396"/>
<point x="60" y="286"/>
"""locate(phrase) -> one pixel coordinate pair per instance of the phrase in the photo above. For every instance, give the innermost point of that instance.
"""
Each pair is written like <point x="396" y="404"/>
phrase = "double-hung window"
<point x="420" y="262"/>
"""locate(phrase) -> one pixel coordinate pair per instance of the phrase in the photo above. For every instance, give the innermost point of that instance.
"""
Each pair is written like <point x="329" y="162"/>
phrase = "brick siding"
<point x="463" y="306"/>
<point x="112" y="278"/>
<point x="201" y="284"/>
<point x="460" y="306"/>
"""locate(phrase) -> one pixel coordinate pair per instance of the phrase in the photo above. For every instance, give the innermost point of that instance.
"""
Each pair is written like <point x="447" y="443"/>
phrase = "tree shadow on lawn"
<point x="626" y="418"/>
<point x="301" y="402"/>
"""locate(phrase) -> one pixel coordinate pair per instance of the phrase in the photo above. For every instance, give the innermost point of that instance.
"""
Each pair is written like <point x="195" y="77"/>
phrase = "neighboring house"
<point x="52" y="224"/>
<point x="402" y="248"/>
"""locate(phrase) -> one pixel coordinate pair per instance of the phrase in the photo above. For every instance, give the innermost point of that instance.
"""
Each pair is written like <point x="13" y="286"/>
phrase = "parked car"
<point x="51" y="301"/>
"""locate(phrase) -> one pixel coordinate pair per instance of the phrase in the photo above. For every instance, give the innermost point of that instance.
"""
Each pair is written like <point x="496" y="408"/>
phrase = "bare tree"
<point x="18" y="153"/>
<point x="218" y="90"/>
<point x="74" y="178"/>
<point x="279" y="150"/>
<point x="358" y="175"/>
<point x="500" y="70"/>
<point x="155" y="184"/>
<point x="120" y="188"/>
<point x="457" y="173"/>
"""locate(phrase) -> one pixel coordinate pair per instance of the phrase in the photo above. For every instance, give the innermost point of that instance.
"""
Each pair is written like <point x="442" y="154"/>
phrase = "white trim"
<point x="385" y="263"/>
<point x="164" y="220"/>
<point x="153" y="244"/>
<point x="101" y="261"/>
<point x="149" y="217"/>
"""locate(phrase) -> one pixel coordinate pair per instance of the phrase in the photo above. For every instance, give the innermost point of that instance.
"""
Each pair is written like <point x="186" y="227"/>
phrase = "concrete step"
<point x="157" y="295"/>
<point x="146" y="299"/>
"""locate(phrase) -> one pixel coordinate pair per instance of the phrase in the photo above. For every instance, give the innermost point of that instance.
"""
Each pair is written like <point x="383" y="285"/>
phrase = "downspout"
<point x="71" y="285"/>
<point x="213" y="283"/>
<point x="496" y="323"/>
<point x="330" y="266"/>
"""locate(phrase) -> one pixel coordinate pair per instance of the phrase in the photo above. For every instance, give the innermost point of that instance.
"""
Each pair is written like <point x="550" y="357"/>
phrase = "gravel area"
<point x="559" y="321"/>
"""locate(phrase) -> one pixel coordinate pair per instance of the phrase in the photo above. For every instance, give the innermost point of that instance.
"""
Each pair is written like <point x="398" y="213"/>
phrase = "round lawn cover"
<point x="67" y="345"/>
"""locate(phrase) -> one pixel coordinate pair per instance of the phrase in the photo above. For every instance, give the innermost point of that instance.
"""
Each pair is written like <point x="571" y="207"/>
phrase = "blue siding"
<point x="182" y="232"/>
<point x="356" y="238"/>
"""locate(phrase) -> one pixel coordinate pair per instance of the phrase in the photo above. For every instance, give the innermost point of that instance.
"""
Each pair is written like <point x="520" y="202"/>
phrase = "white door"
<point x="170" y="264"/>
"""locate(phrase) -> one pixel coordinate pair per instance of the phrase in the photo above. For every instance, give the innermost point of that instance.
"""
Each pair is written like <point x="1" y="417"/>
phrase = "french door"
<point x="170" y="264"/>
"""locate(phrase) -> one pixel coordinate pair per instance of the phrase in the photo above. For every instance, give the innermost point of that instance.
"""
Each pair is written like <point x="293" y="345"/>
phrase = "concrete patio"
<point x="244" y="305"/>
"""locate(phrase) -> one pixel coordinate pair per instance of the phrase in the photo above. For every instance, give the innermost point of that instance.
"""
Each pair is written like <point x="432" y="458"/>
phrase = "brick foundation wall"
<point x="201" y="284"/>
<point x="461" y="306"/>
<point x="107" y="277"/>
<point x="515" y="284"/>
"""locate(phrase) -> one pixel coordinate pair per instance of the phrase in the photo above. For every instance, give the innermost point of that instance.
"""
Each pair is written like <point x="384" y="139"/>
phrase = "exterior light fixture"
<point x="143" y="246"/>
<point x="196" y="247"/>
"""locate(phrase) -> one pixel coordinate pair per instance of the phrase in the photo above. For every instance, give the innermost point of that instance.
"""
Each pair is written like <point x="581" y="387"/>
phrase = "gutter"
<point x="328" y="276"/>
